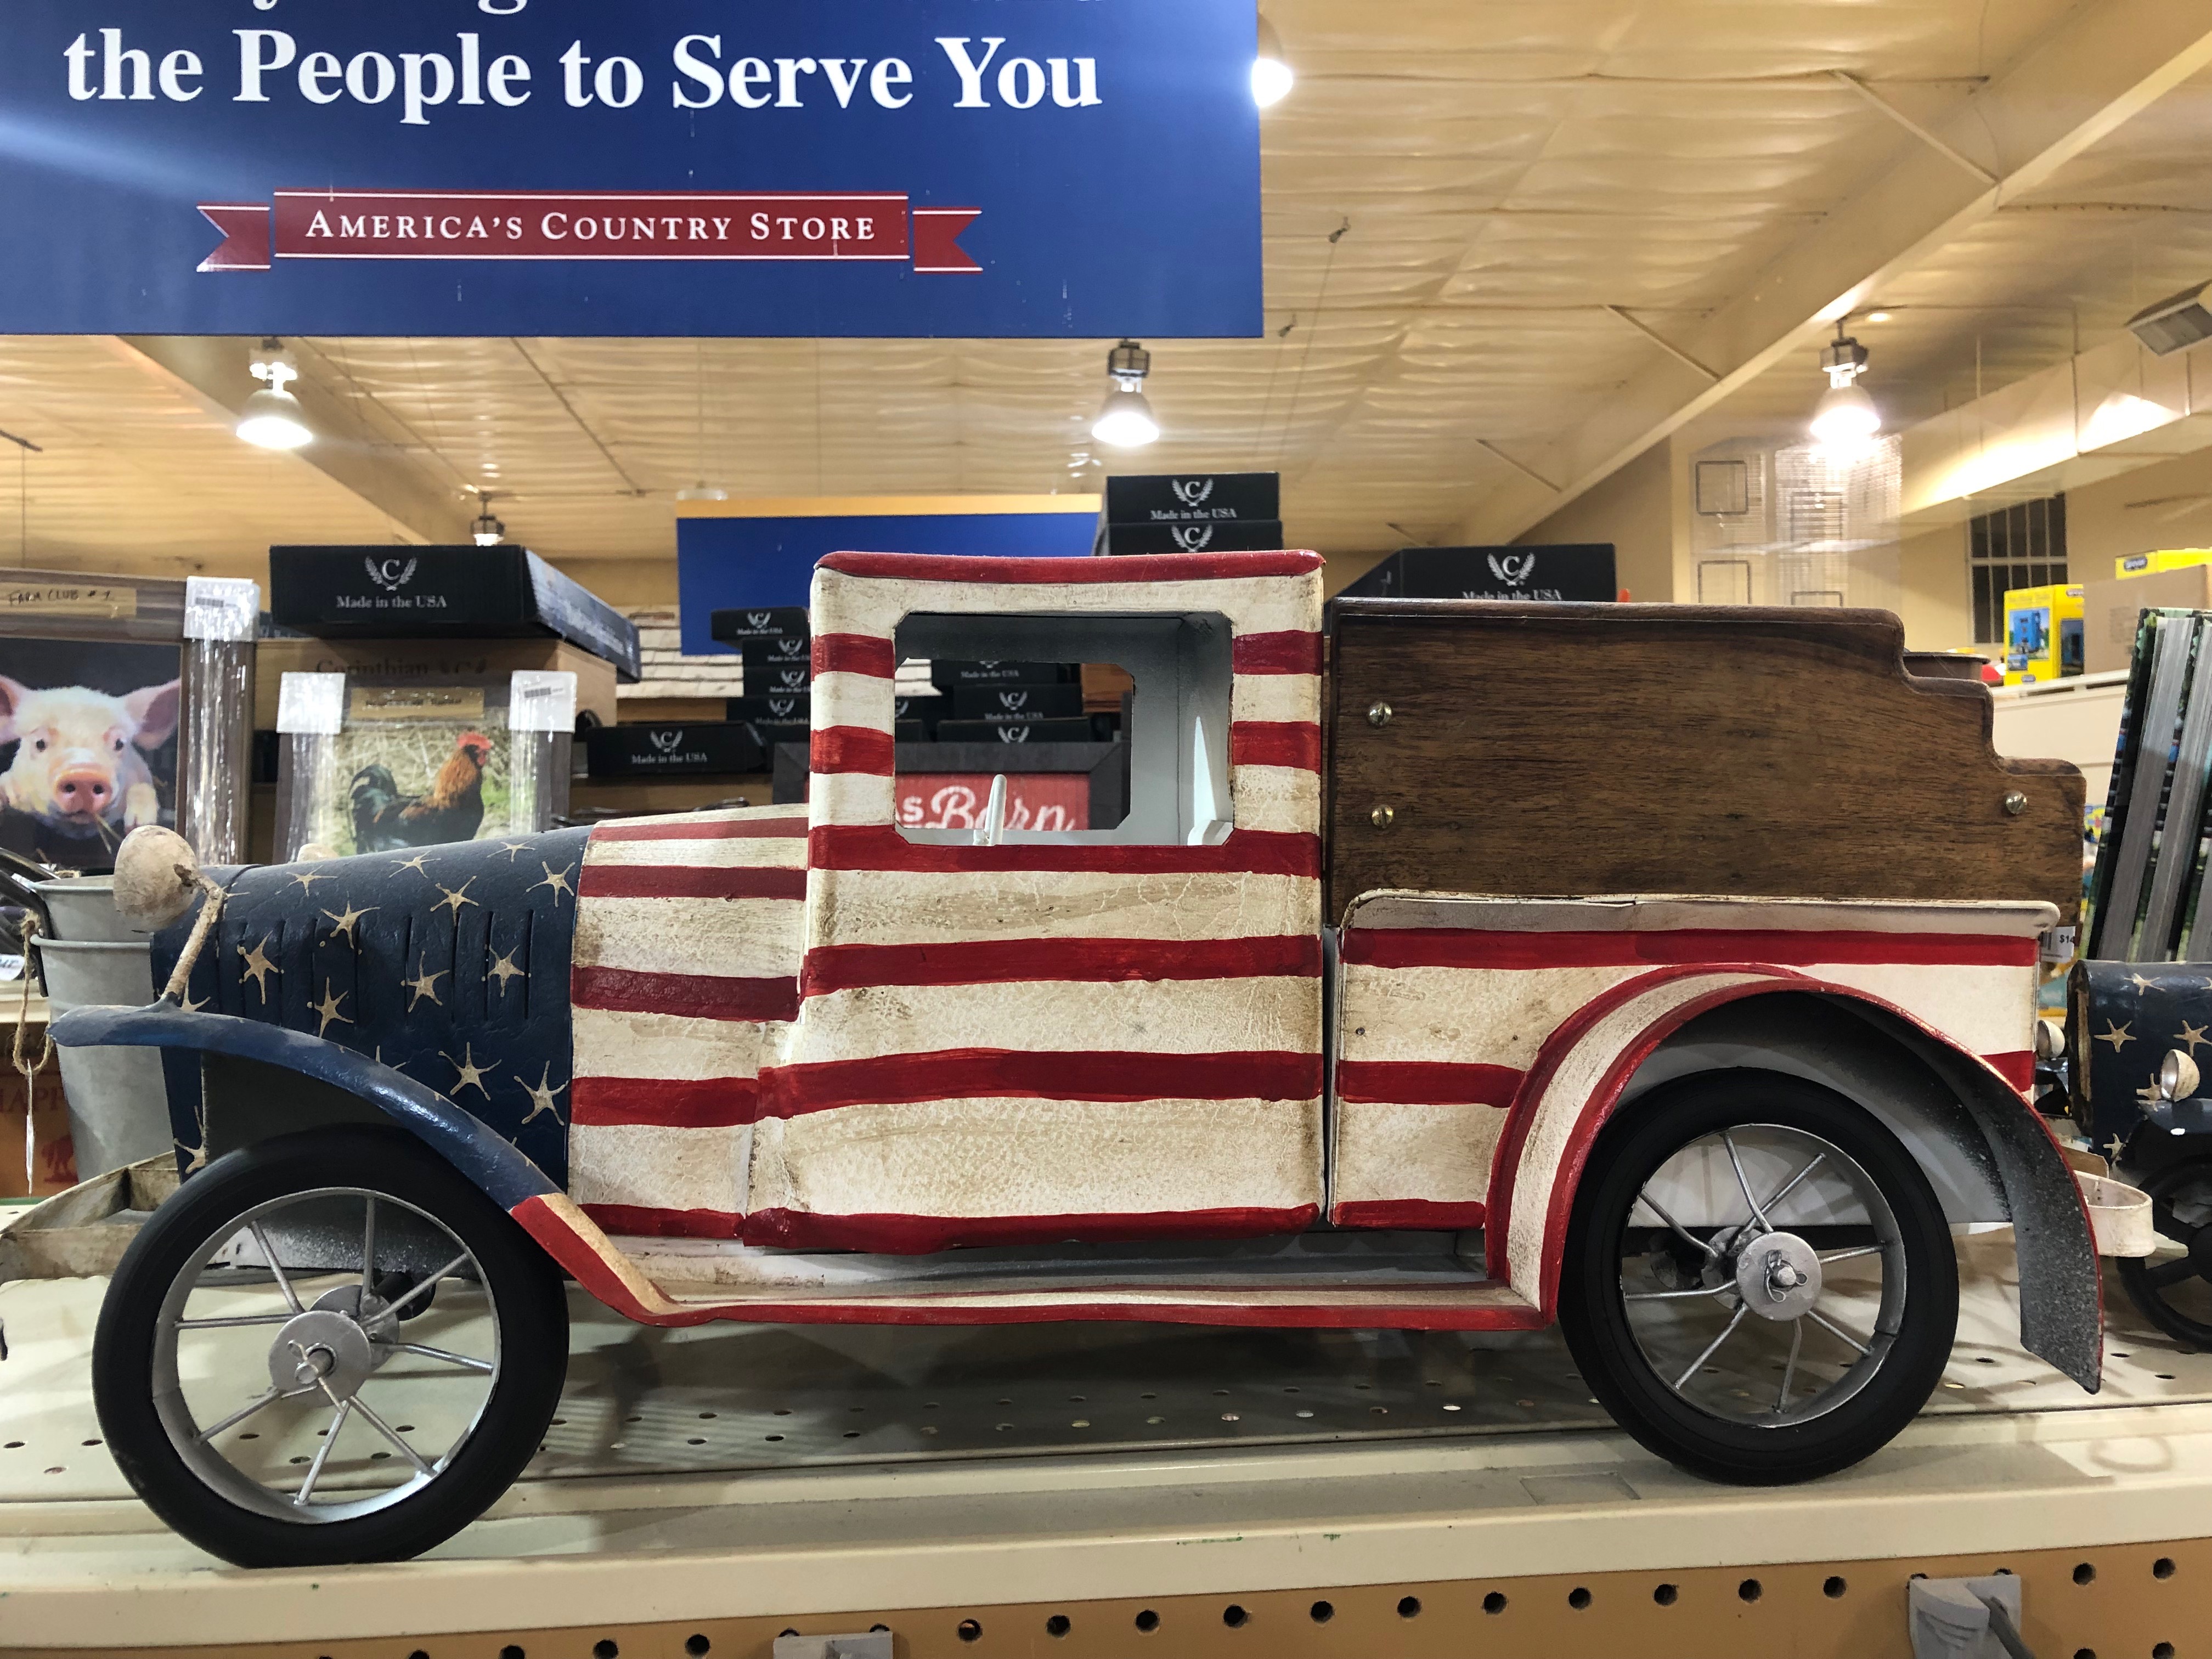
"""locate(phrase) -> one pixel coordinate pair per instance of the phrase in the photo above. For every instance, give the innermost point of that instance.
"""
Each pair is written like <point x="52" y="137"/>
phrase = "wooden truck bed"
<point x="1549" y="748"/>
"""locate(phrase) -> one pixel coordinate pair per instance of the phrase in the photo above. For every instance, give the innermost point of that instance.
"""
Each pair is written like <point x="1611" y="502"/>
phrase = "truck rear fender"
<point x="1986" y="1152"/>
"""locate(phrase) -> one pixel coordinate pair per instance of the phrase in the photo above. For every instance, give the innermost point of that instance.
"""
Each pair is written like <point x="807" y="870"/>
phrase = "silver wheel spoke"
<point x="393" y="1434"/>
<point x="322" y="1454"/>
<point x="1790" y="1185"/>
<point x="232" y="1321"/>
<point x="1796" y="1339"/>
<point x="1836" y="1330"/>
<point x="1846" y="1256"/>
<point x="1672" y="1295"/>
<point x="368" y="1248"/>
<point x="442" y="1354"/>
<point x="1652" y="1204"/>
<point x="238" y="1416"/>
<point x="277" y="1268"/>
<point x="1736" y="1163"/>
<point x="420" y="1290"/>
<point x="1711" y="1348"/>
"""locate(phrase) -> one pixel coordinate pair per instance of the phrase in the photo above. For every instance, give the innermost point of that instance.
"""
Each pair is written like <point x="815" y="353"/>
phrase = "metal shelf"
<point x="737" y="1481"/>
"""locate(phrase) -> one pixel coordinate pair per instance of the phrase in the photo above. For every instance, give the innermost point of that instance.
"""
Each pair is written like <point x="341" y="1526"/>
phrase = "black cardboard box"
<point x="780" y="621"/>
<point x="685" y="749"/>
<point x="770" y="706"/>
<point x="1188" y="498"/>
<point x="1581" y="571"/>
<point x="1075" y="731"/>
<point x="442" y="592"/>
<point x="1016" y="705"/>
<point x="926" y="711"/>
<point x="1229" y="536"/>
<point x="772" y="655"/>
<point x="766" y="679"/>
<point x="948" y="675"/>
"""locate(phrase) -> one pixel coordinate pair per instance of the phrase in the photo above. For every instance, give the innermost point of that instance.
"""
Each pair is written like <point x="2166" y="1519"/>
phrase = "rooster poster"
<point x="413" y="766"/>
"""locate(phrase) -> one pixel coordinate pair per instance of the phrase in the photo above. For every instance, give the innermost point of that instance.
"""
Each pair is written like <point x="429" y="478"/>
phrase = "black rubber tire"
<point x="533" y="1333"/>
<point x="1594" y="1320"/>
<point x="2134" y="1273"/>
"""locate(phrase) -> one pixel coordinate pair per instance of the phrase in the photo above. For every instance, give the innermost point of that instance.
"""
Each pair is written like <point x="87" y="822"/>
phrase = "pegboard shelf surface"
<point x="740" y="1471"/>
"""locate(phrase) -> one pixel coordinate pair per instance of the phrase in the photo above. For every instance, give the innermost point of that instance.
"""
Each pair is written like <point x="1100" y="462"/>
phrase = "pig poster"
<point x="87" y="747"/>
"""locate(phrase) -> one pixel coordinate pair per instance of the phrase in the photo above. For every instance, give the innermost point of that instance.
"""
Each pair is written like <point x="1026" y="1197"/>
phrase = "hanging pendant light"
<point x="1846" y="418"/>
<point x="1272" y="79"/>
<point x="1125" y="419"/>
<point x="272" y="418"/>
<point x="487" y="532"/>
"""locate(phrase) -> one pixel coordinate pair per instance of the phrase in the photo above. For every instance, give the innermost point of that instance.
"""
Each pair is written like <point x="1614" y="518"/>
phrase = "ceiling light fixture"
<point x="1877" y="316"/>
<point x="1272" y="79"/>
<point x="1846" y="416"/>
<point x="1125" y="419"/>
<point x="703" y="491"/>
<point x="487" y="532"/>
<point x="272" y="418"/>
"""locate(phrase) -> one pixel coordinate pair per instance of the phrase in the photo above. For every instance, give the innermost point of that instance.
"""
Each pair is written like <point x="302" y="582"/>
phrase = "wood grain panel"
<point x="1564" y="750"/>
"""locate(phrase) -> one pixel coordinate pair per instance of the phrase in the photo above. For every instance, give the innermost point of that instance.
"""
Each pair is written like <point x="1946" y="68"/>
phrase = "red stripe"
<point x="1275" y="743"/>
<point x="852" y="749"/>
<point x="1426" y="1083"/>
<point x="720" y="1103"/>
<point x="592" y="1263"/>
<point x="918" y="1235"/>
<point x="716" y="830"/>
<point x="855" y="653"/>
<point x="1078" y="1074"/>
<point x="708" y="996"/>
<point x="659" y="1224"/>
<point x="1245" y="852"/>
<point x="1452" y="947"/>
<point x="1297" y="652"/>
<point x="2017" y="1069"/>
<point x="1414" y="1215"/>
<point x="773" y="881"/>
<point x="1093" y="961"/>
<point x="1133" y="568"/>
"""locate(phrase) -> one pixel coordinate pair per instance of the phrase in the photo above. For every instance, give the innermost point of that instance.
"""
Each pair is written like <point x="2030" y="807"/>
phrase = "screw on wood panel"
<point x="1379" y="714"/>
<point x="2015" y="804"/>
<point x="1381" y="816"/>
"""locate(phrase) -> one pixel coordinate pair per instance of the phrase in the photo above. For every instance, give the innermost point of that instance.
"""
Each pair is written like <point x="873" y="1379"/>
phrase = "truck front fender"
<point x="503" y="1174"/>
<point x="1590" y="1067"/>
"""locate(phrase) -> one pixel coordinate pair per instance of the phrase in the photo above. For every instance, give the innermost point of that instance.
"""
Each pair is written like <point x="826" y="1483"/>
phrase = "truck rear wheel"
<point x="1759" y="1283"/>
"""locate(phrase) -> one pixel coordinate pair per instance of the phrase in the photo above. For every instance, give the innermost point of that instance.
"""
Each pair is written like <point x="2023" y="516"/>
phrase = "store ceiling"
<point x="1476" y="216"/>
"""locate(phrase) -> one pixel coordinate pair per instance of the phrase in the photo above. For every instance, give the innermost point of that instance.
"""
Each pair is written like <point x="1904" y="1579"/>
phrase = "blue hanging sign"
<point x="718" y="168"/>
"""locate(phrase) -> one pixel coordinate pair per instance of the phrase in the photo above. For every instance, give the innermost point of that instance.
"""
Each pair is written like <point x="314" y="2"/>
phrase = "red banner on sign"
<point x="432" y="224"/>
<point x="1035" y="800"/>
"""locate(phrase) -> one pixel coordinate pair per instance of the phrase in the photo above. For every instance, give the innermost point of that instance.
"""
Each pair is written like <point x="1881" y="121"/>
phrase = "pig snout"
<point x="84" y="791"/>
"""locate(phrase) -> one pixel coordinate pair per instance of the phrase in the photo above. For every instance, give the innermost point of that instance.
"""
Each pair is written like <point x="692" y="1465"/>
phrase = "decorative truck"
<point x="1665" y="972"/>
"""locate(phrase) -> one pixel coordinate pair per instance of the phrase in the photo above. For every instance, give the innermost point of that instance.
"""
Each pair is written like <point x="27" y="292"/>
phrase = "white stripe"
<point x="1440" y="1153"/>
<point x="1985" y="1010"/>
<point x="844" y="699"/>
<point x="1276" y="797"/>
<point x="1275" y="697"/>
<point x="706" y="821"/>
<point x="1013" y="1157"/>
<point x="1462" y="1015"/>
<point x="904" y="907"/>
<point x="736" y="852"/>
<point x="659" y="1169"/>
<point x="844" y="799"/>
<point x="738" y="938"/>
<point x="1163" y="1017"/>
<point x="674" y="1048"/>
<point x="874" y="606"/>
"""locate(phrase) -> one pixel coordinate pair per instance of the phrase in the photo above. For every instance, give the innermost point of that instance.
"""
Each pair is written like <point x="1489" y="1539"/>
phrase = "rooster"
<point x="384" y="819"/>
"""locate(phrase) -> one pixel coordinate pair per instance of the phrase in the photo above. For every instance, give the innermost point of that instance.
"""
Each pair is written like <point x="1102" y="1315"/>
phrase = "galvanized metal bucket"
<point x="117" y="1108"/>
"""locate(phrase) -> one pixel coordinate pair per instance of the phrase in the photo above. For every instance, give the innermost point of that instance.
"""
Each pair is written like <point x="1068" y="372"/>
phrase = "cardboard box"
<point x="443" y="593"/>
<point x="1216" y="536"/>
<point x="1016" y="705"/>
<point x="2043" y="633"/>
<point x="428" y="662"/>
<point x="1186" y="498"/>
<point x="694" y="748"/>
<point x="2172" y="558"/>
<point x="741" y="627"/>
<point x="2111" y="610"/>
<point x="1576" y="571"/>
<point x="948" y="675"/>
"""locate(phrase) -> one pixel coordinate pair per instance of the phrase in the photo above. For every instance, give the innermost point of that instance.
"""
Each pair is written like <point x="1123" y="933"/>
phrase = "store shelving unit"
<point x="1097" y="1491"/>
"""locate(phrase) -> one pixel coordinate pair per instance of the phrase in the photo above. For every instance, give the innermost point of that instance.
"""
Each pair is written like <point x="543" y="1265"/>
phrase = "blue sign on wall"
<point x="739" y="167"/>
<point x="729" y="563"/>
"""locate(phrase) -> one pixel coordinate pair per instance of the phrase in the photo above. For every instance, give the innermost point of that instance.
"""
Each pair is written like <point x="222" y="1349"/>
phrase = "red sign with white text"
<point x="432" y="224"/>
<point x="1035" y="800"/>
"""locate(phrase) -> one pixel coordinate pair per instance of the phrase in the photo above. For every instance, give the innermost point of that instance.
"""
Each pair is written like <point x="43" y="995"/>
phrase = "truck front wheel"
<point x="1759" y="1283"/>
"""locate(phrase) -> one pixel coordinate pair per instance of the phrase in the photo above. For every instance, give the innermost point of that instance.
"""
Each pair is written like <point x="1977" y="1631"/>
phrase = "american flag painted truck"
<point x="1668" y="974"/>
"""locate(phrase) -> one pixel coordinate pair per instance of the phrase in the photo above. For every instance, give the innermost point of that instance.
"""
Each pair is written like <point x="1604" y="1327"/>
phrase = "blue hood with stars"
<point x="449" y="964"/>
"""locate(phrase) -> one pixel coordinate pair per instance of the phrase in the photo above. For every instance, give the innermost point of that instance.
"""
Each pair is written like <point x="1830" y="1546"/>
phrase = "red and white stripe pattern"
<point x="686" y="968"/>
<point x="1045" y="1040"/>
<point x="1448" y="1007"/>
